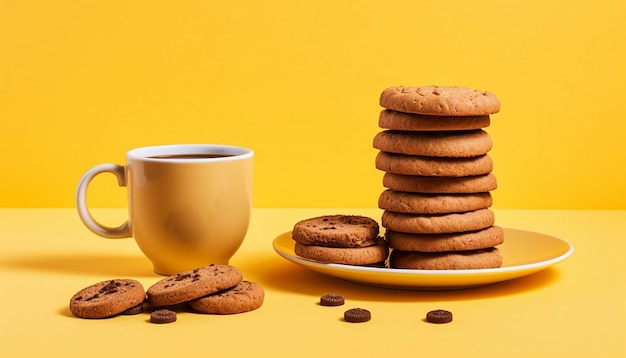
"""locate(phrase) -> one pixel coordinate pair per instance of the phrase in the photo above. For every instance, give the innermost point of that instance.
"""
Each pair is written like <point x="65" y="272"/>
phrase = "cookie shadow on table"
<point x="277" y="274"/>
<point x="65" y="312"/>
<point x="110" y="265"/>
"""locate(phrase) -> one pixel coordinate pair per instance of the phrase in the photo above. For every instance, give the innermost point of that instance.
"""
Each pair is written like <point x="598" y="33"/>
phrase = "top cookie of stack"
<point x="439" y="177"/>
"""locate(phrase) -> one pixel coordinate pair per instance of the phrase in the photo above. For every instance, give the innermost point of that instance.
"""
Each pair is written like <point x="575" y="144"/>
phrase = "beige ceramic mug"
<point x="188" y="205"/>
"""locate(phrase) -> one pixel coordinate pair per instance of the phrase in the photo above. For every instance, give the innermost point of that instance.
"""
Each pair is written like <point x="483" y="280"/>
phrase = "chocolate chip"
<point x="439" y="316"/>
<point x="180" y="277"/>
<point x="332" y="299"/>
<point x="163" y="316"/>
<point x="357" y="315"/>
<point x="110" y="287"/>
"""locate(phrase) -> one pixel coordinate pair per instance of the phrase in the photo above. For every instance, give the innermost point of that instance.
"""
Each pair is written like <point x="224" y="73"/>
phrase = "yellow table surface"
<point x="576" y="308"/>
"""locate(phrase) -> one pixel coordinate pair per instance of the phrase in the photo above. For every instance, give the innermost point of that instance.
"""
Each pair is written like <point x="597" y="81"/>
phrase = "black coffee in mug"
<point x="191" y="156"/>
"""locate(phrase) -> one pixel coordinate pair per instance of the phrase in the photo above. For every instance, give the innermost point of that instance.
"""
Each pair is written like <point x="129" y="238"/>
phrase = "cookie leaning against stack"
<point x="341" y="239"/>
<point x="438" y="176"/>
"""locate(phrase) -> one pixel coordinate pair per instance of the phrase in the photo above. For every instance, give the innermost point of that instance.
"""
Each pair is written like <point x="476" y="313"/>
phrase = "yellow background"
<point x="82" y="82"/>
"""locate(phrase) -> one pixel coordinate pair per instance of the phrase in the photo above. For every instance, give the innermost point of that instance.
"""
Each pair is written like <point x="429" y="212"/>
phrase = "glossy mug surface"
<point x="188" y="205"/>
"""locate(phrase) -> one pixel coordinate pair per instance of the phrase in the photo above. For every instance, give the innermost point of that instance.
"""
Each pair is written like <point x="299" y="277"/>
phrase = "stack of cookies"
<point x="340" y="239"/>
<point x="438" y="176"/>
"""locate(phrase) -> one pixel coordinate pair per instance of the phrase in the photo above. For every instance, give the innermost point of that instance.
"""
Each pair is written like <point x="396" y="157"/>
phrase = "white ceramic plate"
<point x="523" y="253"/>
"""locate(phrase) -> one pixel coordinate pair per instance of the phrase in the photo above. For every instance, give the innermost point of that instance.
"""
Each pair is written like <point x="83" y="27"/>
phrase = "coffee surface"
<point x="191" y="156"/>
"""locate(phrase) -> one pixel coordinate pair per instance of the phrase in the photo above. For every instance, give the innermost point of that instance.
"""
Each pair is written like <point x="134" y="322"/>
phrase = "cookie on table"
<point x="452" y="260"/>
<point x="192" y="284"/>
<point x="438" y="223"/>
<point x="462" y="241"/>
<point x="246" y="296"/>
<point x="368" y="255"/>
<point x="337" y="231"/>
<point x="107" y="298"/>
<point x="425" y="184"/>
<point x="401" y="121"/>
<point x="433" y="166"/>
<point x="417" y="203"/>
<point x="456" y="144"/>
<point x="439" y="100"/>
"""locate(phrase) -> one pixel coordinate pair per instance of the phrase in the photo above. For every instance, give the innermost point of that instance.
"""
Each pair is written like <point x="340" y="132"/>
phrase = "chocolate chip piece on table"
<point x="357" y="315"/>
<point x="332" y="299"/>
<point x="163" y="316"/>
<point x="439" y="316"/>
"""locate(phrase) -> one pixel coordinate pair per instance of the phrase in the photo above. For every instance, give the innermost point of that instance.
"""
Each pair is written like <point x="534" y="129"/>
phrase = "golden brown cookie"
<point x="462" y="241"/>
<point x="438" y="224"/>
<point x="424" y="184"/>
<point x="336" y="231"/>
<point x="439" y="101"/>
<point x="455" y="144"/>
<point x="344" y="255"/>
<point x="246" y="296"/>
<point x="433" y="166"/>
<point x="415" y="203"/>
<point x="107" y="298"/>
<point x="192" y="284"/>
<point x="453" y="260"/>
<point x="418" y="122"/>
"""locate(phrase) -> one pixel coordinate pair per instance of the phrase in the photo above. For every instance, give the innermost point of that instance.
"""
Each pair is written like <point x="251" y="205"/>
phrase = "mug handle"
<point x="121" y="231"/>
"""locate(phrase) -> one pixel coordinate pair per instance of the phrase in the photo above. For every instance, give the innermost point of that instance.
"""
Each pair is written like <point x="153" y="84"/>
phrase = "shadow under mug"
<point x="189" y="205"/>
